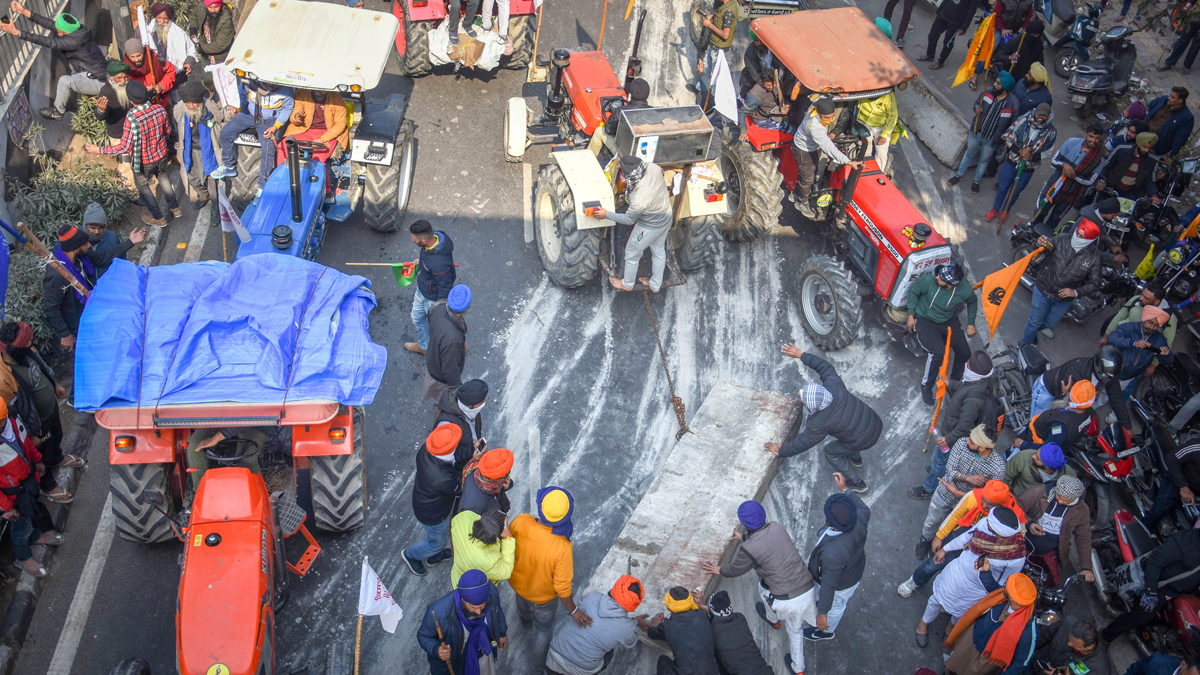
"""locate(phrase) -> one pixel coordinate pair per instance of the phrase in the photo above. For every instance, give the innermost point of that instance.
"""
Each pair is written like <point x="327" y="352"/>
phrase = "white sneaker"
<point x="906" y="589"/>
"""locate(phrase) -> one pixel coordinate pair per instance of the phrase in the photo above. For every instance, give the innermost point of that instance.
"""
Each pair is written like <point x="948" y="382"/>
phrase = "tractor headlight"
<point x="343" y="88"/>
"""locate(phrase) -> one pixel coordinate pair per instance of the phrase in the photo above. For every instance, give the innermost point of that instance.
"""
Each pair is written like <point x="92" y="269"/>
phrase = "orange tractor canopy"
<point x="888" y="243"/>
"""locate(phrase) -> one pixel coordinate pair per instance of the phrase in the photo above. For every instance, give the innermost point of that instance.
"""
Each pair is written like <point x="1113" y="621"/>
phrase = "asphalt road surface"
<point x="577" y="390"/>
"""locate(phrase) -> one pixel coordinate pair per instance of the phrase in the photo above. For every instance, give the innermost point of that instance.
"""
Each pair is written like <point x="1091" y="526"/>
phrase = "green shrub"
<point x="86" y="124"/>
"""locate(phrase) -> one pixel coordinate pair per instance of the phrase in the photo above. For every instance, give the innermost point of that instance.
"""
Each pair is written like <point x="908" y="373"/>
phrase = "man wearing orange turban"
<point x="996" y="636"/>
<point x="576" y="649"/>
<point x="435" y="485"/>
<point x="1141" y="344"/>
<point x="486" y="482"/>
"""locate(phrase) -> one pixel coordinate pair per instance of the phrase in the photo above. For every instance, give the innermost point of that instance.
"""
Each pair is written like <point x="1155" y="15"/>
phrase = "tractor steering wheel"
<point x="310" y="146"/>
<point x="232" y="450"/>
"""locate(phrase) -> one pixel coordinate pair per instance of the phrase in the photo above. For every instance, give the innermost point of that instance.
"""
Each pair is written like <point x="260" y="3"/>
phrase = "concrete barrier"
<point x="934" y="120"/>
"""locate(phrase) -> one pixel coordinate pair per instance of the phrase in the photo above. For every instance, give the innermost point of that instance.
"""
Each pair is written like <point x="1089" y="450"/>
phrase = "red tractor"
<point x="418" y="17"/>
<point x="841" y="54"/>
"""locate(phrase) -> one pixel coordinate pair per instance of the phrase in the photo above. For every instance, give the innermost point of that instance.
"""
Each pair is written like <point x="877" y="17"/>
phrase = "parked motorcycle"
<point x="1094" y="82"/>
<point x="1081" y="36"/>
<point x="1015" y="377"/>
<point x="1176" y="270"/>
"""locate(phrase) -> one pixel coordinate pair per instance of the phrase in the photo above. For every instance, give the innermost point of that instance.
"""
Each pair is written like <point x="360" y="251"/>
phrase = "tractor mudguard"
<point x="421" y="10"/>
<point x="519" y="7"/>
<point x="374" y="138"/>
<point x="335" y="437"/>
<point x="141" y="447"/>
<point x="587" y="181"/>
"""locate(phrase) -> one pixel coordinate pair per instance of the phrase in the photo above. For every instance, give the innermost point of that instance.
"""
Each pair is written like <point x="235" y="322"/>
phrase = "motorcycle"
<point x="1176" y="269"/>
<point x="1094" y="82"/>
<point x="1081" y="36"/>
<point x="1050" y="599"/>
<point x="1116" y="285"/>
<point x="1015" y="378"/>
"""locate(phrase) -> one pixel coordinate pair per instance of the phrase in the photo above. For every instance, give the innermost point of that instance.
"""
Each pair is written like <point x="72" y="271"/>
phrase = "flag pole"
<point x="441" y="640"/>
<point x="1008" y="198"/>
<point x="224" y="247"/>
<point x="357" y="643"/>
<point x="942" y="384"/>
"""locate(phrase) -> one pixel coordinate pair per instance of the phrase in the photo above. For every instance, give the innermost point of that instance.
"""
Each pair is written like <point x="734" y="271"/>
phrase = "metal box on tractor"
<point x="304" y="45"/>
<point x="867" y="219"/>
<point x="418" y="17"/>
<point x="586" y="118"/>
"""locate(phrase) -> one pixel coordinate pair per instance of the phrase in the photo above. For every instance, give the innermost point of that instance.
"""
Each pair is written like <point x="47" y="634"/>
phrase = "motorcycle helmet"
<point x="951" y="273"/>
<point x="1107" y="363"/>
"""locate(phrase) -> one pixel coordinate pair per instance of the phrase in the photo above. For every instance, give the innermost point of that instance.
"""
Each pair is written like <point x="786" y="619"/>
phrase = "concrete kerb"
<point x="933" y="119"/>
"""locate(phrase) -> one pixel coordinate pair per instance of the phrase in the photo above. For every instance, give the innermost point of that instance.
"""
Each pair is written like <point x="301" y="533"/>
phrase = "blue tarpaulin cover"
<point x="212" y="332"/>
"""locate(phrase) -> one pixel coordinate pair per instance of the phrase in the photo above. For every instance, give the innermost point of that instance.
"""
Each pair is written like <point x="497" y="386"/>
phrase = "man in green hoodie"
<point x="933" y="303"/>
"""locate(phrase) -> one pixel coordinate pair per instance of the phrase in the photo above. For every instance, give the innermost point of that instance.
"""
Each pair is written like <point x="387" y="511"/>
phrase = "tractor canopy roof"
<point x="314" y="45"/>
<point x="835" y="51"/>
<point x="269" y="335"/>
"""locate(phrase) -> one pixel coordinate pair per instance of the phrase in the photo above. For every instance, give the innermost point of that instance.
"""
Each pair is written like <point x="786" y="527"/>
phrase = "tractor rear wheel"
<point x="569" y="255"/>
<point x="696" y="29"/>
<point x="133" y="512"/>
<point x="415" y="62"/>
<point x="385" y="194"/>
<point x="755" y="191"/>
<point x="245" y="183"/>
<point x="339" y="487"/>
<point x="522" y="30"/>
<point x="697" y="242"/>
<point x="830" y="306"/>
<point x="131" y="667"/>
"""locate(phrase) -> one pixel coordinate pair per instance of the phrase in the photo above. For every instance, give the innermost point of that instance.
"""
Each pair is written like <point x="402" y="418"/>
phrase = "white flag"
<point x="724" y="95"/>
<point x="144" y="30"/>
<point x="374" y="599"/>
<point x="226" y="84"/>
<point x="229" y="218"/>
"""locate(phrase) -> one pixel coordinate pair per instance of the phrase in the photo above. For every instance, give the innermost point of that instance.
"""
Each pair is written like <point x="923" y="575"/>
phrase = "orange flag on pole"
<point x="998" y="288"/>
<point x="1193" y="228"/>
<point x="979" y="54"/>
<point x="941" y="383"/>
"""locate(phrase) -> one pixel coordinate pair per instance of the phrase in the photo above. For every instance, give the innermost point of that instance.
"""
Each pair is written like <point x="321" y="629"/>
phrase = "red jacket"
<point x="13" y="468"/>
<point x="153" y="72"/>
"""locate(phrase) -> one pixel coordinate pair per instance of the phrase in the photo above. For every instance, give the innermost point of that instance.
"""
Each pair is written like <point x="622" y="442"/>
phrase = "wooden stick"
<point x="536" y="37"/>
<point x="224" y="247"/>
<point x="357" y="636"/>
<point x="34" y="244"/>
<point x="443" y="642"/>
<point x="603" y="20"/>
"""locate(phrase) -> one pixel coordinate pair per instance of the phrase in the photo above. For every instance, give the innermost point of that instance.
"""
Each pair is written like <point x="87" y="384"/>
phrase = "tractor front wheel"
<point x="385" y="194"/>
<point x="696" y="29"/>
<point x="830" y="306"/>
<point x="134" y="514"/>
<point x="522" y="30"/>
<point x="415" y="62"/>
<point x="131" y="667"/>
<point x="245" y="183"/>
<point x="697" y="242"/>
<point x="569" y="255"/>
<point x="338" y="483"/>
<point x="755" y="191"/>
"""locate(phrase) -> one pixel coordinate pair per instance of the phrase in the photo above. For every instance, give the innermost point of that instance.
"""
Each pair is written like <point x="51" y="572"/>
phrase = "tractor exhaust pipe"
<point x="557" y="99"/>
<point x="293" y="161"/>
<point x="634" y="67"/>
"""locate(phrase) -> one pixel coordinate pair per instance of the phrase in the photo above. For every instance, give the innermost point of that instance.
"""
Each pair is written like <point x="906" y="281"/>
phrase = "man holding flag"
<point x="1078" y="164"/>
<point x="933" y="304"/>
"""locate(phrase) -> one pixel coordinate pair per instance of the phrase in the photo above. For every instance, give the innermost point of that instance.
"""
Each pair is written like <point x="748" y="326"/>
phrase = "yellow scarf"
<point x="677" y="606"/>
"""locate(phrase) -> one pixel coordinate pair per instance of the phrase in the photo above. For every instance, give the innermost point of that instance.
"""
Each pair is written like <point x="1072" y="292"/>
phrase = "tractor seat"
<point x="766" y="139"/>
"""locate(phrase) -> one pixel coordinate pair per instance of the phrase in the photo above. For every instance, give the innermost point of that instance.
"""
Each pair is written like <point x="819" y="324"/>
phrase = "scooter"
<point x="1094" y="82"/>
<point x="1081" y="36"/>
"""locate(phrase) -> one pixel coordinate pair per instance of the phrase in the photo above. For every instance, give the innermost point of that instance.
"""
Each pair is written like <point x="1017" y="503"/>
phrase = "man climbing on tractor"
<point x="763" y="106"/>
<point x="811" y="139"/>
<point x="649" y="215"/>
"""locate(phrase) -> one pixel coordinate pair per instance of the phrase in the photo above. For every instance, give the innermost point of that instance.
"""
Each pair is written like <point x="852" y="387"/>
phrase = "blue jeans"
<point x="23" y="535"/>
<point x="710" y="62"/>
<point x="1186" y="38"/>
<point x="420" y="318"/>
<point x="1164" y="502"/>
<point x="1125" y="10"/>
<point x="927" y="569"/>
<point x="1039" y="399"/>
<point x="241" y="122"/>
<point x="436" y="539"/>
<point x="937" y="468"/>
<point x="1044" y="312"/>
<point x="838" y="609"/>
<point x="977" y="147"/>
<point x="1004" y="183"/>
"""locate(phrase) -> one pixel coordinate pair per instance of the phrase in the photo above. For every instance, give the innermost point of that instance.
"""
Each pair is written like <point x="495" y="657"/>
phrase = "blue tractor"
<point x="304" y="45"/>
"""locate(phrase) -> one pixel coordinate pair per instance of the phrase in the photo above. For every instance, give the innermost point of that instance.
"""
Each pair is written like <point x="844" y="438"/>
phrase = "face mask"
<point x="1078" y="242"/>
<point x="95" y="238"/>
<point x="470" y="412"/>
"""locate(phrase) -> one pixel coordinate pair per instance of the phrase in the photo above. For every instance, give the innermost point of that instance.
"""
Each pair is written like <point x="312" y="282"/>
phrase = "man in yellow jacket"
<point x="880" y="115"/>
<point x="482" y="543"/>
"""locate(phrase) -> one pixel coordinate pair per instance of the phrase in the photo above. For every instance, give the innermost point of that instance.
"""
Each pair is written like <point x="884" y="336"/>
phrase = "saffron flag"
<point x="229" y="218"/>
<point x="375" y="600"/>
<point x="724" y="94"/>
<point x="979" y="54"/>
<point x="1193" y="228"/>
<point x="998" y="288"/>
<point x="405" y="273"/>
<point x="941" y="384"/>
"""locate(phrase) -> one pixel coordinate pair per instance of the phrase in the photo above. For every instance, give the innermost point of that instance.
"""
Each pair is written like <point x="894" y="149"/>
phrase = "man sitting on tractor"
<point x="264" y="108"/>
<point x="253" y="439"/>
<point x="813" y="137"/>
<point x="319" y="117"/>
<point x="763" y="106"/>
<point x="649" y="215"/>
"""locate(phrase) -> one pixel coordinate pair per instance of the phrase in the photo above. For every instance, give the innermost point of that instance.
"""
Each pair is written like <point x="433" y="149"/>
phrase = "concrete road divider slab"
<point x="933" y="119"/>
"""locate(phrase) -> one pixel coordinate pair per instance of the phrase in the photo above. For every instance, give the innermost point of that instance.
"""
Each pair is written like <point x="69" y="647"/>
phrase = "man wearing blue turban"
<point x="465" y="629"/>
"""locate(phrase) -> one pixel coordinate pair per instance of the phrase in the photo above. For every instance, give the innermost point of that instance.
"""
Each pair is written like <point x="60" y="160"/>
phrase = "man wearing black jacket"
<point x="1071" y="270"/>
<point x="447" y="351"/>
<point x="1129" y="169"/>
<point x="839" y="558"/>
<point x="962" y="411"/>
<point x="688" y="634"/>
<point x="832" y="411"/>
<point x="435" y="278"/>
<point x="1101" y="369"/>
<point x="1181" y="484"/>
<point x="737" y="652"/>
<point x="62" y="305"/>
<point x="462" y="406"/>
<point x="67" y="35"/>
<point x="1170" y="570"/>
<point x="436" y="484"/>
<point x="953" y="18"/>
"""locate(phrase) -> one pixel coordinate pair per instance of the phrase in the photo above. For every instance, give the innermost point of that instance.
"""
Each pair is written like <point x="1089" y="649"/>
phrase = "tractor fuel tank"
<point x="665" y="136"/>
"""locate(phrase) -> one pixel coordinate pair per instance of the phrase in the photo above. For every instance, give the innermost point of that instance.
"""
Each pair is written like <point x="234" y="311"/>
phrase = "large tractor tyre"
<point x="696" y="29"/>
<point x="522" y="30"/>
<point x="830" y="306"/>
<point x="755" y="191"/>
<point x="131" y="667"/>
<point x="385" y="195"/>
<point x="415" y="62"/>
<point x="339" y="488"/>
<point x="134" y="514"/>
<point x="245" y="184"/>
<point x="699" y="242"/>
<point x="569" y="255"/>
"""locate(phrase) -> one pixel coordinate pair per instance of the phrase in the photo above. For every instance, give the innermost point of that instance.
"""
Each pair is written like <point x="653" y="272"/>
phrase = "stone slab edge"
<point x="930" y="116"/>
